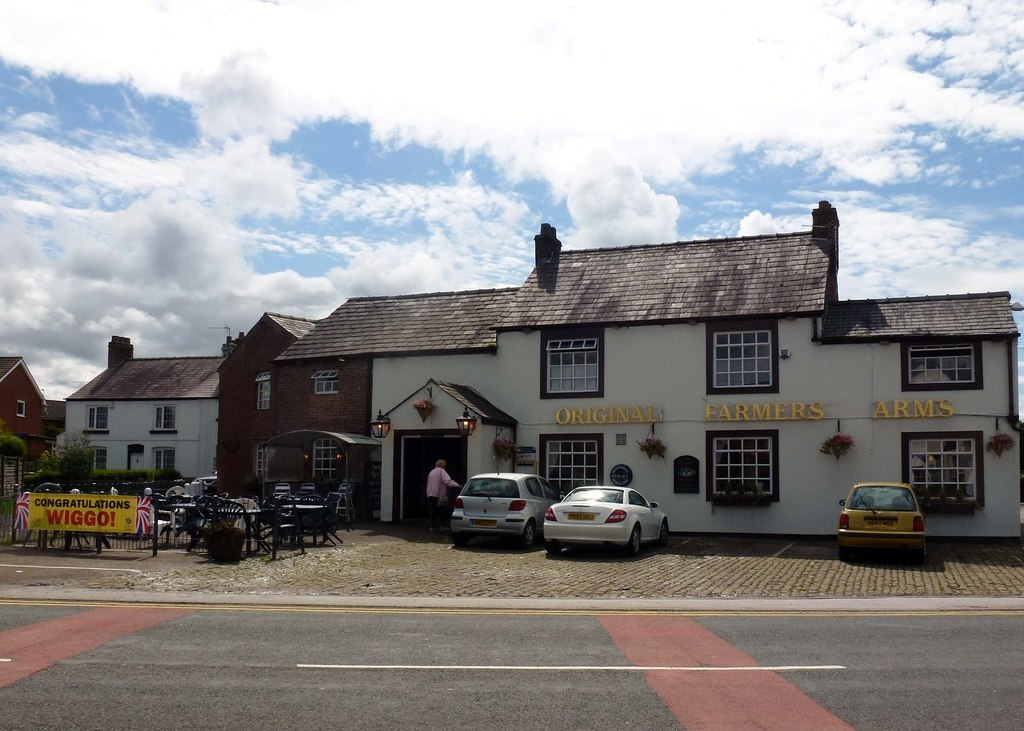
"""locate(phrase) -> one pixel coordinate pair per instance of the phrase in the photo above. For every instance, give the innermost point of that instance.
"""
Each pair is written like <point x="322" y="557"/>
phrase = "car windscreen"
<point x="594" y="495"/>
<point x="491" y="487"/>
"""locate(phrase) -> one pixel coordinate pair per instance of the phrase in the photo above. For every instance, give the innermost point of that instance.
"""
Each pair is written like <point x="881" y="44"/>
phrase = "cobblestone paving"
<point x="405" y="561"/>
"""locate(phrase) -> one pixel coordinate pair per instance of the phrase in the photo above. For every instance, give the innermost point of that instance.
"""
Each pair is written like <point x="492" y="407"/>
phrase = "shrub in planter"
<point x="224" y="541"/>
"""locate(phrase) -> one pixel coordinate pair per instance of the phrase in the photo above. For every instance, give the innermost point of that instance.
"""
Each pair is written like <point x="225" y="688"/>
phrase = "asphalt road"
<point x="123" y="667"/>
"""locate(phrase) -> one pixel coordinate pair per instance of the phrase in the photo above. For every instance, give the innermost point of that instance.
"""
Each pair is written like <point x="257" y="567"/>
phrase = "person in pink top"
<point x="438" y="482"/>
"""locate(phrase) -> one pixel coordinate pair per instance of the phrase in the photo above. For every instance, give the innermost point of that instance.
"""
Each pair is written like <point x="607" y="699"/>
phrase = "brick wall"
<point x="293" y="402"/>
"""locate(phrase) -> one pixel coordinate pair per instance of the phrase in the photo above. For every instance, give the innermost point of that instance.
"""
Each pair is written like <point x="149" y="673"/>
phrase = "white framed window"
<point x="97" y="418"/>
<point x="938" y="366"/>
<point x="165" y="418"/>
<point x="325" y="381"/>
<point x="99" y="458"/>
<point x="20" y="408"/>
<point x="944" y="465"/>
<point x="261" y="460"/>
<point x="743" y="359"/>
<point x="263" y="391"/>
<point x="571" y="462"/>
<point x="326" y="454"/>
<point x="571" y="363"/>
<point x="163" y="458"/>
<point x="743" y="462"/>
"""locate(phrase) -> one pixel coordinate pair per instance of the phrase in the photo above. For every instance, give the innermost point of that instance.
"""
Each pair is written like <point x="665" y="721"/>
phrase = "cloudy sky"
<point x="171" y="170"/>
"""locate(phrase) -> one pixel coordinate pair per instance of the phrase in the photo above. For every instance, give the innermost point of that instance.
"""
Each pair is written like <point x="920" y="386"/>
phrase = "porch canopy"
<point x="286" y="452"/>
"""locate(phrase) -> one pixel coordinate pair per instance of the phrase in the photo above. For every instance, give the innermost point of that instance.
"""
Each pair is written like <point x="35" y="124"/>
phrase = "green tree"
<point x="72" y="457"/>
<point x="12" y="446"/>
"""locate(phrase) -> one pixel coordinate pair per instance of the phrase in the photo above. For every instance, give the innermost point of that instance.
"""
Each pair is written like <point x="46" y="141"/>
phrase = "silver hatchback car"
<point x="502" y="504"/>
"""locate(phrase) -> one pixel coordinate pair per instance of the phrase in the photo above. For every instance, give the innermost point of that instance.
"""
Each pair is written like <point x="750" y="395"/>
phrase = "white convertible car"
<point x="617" y="516"/>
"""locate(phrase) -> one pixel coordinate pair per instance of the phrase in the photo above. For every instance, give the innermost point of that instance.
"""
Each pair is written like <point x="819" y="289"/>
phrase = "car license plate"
<point x="484" y="522"/>
<point x="880" y="522"/>
<point x="579" y="516"/>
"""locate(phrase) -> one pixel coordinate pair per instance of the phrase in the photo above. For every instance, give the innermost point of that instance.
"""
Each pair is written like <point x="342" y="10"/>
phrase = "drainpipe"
<point x="1013" y="417"/>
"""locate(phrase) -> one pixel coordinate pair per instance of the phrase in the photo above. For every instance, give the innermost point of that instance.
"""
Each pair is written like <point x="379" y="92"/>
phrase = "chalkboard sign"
<point x="686" y="474"/>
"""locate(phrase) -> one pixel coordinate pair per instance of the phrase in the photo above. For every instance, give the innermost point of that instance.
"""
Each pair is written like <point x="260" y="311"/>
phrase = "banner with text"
<point x="70" y="512"/>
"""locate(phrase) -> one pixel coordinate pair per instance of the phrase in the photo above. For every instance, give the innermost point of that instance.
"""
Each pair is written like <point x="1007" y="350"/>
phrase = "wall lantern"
<point x="466" y="423"/>
<point x="381" y="426"/>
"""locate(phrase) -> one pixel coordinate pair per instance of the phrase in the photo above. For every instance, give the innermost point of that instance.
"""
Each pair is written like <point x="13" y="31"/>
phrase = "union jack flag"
<point x="142" y="514"/>
<point x="21" y="512"/>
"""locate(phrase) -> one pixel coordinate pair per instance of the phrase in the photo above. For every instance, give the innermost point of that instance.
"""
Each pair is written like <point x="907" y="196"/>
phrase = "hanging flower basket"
<point x="505" y="449"/>
<point x="425" y="407"/>
<point x="999" y="443"/>
<point x="837" y="445"/>
<point x="652" y="446"/>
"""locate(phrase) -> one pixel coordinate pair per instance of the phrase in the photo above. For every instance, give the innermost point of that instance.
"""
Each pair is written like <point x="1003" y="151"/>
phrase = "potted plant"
<point x="224" y="541"/>
<point x="504" y="449"/>
<point x="425" y="407"/>
<point x="999" y="443"/>
<point x="837" y="445"/>
<point x="652" y="446"/>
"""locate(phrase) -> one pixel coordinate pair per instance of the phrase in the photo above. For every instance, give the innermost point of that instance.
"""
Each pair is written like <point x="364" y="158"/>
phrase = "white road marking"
<point x="5" y="659"/>
<point x="782" y="550"/>
<point x="580" y="668"/>
<point x="66" y="568"/>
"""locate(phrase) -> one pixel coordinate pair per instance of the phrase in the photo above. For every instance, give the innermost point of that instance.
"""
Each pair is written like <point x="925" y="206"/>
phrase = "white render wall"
<point x="130" y="422"/>
<point x="663" y="367"/>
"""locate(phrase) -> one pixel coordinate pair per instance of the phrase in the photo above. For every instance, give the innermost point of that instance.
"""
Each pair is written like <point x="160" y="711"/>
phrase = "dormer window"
<point x="325" y="381"/>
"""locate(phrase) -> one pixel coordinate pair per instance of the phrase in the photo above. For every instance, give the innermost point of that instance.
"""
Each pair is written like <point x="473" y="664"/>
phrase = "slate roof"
<point x="7" y="364"/>
<point x="781" y="274"/>
<point x="420" y="323"/>
<point x="154" y="378"/>
<point x="984" y="315"/>
<point x="298" y="327"/>
<point x="56" y="410"/>
<point x="469" y="397"/>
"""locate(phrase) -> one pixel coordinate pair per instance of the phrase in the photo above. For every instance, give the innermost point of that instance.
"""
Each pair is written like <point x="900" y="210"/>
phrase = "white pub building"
<point x="759" y="394"/>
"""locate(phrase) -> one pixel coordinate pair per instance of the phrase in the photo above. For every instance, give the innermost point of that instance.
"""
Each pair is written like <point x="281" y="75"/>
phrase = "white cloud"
<point x="630" y="121"/>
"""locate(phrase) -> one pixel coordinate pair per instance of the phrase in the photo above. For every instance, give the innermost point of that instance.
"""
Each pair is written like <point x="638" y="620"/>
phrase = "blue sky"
<point x="171" y="169"/>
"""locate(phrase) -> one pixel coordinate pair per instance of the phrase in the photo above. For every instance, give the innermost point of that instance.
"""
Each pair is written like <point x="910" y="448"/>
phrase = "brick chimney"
<point x="229" y="345"/>
<point x="825" y="222"/>
<point x="119" y="350"/>
<point x="546" y="245"/>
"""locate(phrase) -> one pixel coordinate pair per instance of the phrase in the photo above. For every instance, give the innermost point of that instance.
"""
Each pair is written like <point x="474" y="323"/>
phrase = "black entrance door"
<point x="419" y="453"/>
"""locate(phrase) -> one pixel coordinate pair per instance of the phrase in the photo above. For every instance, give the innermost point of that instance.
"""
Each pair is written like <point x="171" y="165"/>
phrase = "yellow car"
<point x="881" y="515"/>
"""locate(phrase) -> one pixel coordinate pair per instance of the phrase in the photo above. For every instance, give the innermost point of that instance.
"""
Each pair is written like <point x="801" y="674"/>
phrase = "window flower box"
<point x="728" y="499"/>
<point x="950" y="507"/>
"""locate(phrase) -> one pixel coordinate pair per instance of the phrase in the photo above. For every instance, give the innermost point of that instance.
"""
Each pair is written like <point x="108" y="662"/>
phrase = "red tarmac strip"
<point x="733" y="700"/>
<point x="36" y="647"/>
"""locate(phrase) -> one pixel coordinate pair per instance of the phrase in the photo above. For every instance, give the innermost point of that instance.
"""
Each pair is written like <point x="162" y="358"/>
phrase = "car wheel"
<point x="526" y="540"/>
<point x="920" y="556"/>
<point x="663" y="533"/>
<point x="633" y="546"/>
<point x="460" y="539"/>
<point x="553" y="547"/>
<point x="844" y="553"/>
